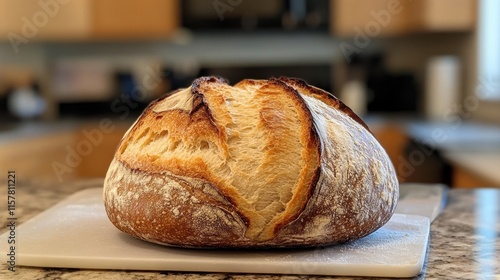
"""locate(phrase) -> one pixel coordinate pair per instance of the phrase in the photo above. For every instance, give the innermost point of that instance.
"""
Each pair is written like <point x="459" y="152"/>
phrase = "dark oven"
<point x="255" y="14"/>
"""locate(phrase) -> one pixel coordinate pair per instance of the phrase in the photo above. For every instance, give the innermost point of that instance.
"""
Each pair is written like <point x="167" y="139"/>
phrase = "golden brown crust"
<point x="310" y="178"/>
<point x="324" y="96"/>
<point x="175" y="213"/>
<point x="263" y="163"/>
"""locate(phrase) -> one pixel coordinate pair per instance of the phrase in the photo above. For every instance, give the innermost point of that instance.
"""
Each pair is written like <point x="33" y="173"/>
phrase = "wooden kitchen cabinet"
<point x="369" y="18"/>
<point x="394" y="140"/>
<point x="135" y="19"/>
<point x="463" y="178"/>
<point x="444" y="15"/>
<point x="32" y="157"/>
<point x="474" y="168"/>
<point x="23" y="21"/>
<point x="83" y="151"/>
<point x="372" y="18"/>
<point x="96" y="163"/>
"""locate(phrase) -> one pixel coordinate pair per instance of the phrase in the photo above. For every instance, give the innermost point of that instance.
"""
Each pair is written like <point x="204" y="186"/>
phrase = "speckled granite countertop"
<point x="464" y="242"/>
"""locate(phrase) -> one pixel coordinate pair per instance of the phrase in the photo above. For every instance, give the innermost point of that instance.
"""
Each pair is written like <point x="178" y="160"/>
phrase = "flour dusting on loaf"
<point x="263" y="163"/>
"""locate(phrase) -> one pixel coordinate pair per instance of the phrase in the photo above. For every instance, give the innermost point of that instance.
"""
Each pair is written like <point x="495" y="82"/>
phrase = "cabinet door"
<point x="28" y="20"/>
<point x="394" y="140"/>
<point x="446" y="15"/>
<point x="369" y="17"/>
<point x="393" y="17"/>
<point x="95" y="164"/>
<point x="463" y="178"/>
<point x="40" y="157"/>
<point x="130" y="19"/>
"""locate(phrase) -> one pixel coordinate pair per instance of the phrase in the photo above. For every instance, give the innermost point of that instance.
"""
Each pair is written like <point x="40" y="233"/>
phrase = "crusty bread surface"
<point x="263" y="163"/>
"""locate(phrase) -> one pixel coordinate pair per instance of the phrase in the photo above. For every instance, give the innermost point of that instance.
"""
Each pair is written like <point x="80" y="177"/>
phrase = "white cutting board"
<point x="76" y="233"/>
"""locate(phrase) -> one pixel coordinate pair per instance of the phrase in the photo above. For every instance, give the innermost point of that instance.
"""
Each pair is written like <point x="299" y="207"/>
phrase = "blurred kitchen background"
<point x="423" y="74"/>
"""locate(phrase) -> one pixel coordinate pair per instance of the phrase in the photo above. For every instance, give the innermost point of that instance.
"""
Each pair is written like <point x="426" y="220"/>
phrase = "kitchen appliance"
<point x="76" y="233"/>
<point x="392" y="92"/>
<point x="386" y="90"/>
<point x="81" y="79"/>
<point x="255" y="15"/>
<point x="442" y="87"/>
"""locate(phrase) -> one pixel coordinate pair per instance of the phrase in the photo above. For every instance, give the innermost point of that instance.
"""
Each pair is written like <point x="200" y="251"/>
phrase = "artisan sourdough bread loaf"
<point x="263" y="163"/>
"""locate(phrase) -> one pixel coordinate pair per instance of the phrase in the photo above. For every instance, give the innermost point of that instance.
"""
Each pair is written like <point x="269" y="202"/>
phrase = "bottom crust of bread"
<point x="184" y="212"/>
